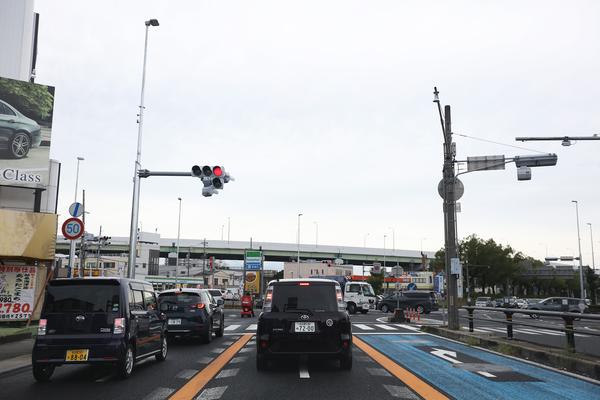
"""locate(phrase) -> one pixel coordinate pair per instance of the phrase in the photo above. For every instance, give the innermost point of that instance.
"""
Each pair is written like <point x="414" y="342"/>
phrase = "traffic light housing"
<point x="213" y="179"/>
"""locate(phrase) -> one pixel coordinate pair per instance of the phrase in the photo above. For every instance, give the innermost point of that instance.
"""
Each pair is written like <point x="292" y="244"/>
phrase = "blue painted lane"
<point x="467" y="373"/>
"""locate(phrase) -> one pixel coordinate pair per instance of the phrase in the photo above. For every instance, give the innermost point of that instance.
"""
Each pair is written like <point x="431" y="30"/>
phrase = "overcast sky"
<point x="325" y="108"/>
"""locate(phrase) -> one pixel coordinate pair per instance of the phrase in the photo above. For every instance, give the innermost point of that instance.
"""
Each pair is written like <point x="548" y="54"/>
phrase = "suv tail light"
<point x="42" y="327"/>
<point x="340" y="298"/>
<point x="268" y="300"/>
<point x="199" y="306"/>
<point x="119" y="326"/>
<point x="304" y="284"/>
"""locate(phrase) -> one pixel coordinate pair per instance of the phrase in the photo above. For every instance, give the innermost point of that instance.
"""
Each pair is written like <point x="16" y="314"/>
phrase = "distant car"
<point x="18" y="134"/>
<point x="231" y="294"/>
<point x="558" y="304"/>
<point x="192" y="312"/>
<point x="483" y="302"/>
<point x="98" y="321"/>
<point x="497" y="302"/>
<point x="422" y="303"/>
<point x="217" y="294"/>
<point x="522" y="303"/>
<point x="304" y="317"/>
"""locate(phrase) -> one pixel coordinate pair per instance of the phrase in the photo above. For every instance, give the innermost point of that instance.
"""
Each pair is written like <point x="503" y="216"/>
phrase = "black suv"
<point x="192" y="312"/>
<point x="98" y="321"/>
<point x="304" y="317"/>
<point x="422" y="302"/>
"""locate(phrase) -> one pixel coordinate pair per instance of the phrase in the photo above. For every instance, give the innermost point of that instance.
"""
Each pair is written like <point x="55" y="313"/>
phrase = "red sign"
<point x="72" y="228"/>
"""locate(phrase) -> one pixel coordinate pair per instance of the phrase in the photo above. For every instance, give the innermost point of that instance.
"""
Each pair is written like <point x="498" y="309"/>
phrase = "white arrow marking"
<point x="446" y="355"/>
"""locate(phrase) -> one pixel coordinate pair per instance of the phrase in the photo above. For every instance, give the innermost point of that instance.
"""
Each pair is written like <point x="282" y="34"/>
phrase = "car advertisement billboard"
<point x="25" y="129"/>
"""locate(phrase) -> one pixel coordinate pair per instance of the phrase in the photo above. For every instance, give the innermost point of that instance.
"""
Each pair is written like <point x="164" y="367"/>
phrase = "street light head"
<point x="179" y="198"/>
<point x="153" y="22"/>
<point x="300" y="215"/>
<point x="80" y="158"/>
<point x="574" y="201"/>
<point x="566" y="142"/>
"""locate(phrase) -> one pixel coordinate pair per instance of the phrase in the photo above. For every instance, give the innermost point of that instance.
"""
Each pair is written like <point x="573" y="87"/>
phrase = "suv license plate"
<point x="77" y="355"/>
<point x="174" y="321"/>
<point x="304" y="327"/>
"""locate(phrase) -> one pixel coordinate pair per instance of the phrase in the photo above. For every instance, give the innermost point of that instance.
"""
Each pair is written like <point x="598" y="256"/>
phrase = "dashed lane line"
<point x="251" y="327"/>
<point x="212" y="393"/>
<point x="363" y="327"/>
<point x="422" y="388"/>
<point x="199" y="381"/>
<point x="160" y="393"/>
<point x="232" y="327"/>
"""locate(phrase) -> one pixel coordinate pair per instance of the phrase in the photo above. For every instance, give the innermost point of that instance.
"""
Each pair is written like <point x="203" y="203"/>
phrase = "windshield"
<point x="368" y="290"/>
<point x="316" y="298"/>
<point x="215" y="293"/>
<point x="179" y="301"/>
<point x="88" y="297"/>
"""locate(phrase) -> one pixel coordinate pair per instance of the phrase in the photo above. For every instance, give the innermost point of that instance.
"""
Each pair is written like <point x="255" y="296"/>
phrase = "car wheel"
<point x="125" y="366"/>
<point x="19" y="145"/>
<point x="42" y="372"/>
<point x="261" y="362"/>
<point x="208" y="335"/>
<point x="346" y="362"/>
<point x="221" y="330"/>
<point x="162" y="355"/>
<point x="385" y="308"/>
<point x="352" y="308"/>
<point x="420" y="309"/>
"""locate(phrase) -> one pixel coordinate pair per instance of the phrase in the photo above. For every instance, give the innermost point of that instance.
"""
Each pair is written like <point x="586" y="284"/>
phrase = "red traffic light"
<point x="217" y="171"/>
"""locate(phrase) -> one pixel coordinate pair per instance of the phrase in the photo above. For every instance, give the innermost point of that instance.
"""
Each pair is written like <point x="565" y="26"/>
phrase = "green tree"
<point x="34" y="101"/>
<point x="376" y="280"/>
<point x="593" y="283"/>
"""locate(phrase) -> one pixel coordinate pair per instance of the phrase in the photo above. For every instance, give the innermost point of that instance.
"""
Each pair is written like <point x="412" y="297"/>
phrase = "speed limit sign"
<point x="72" y="228"/>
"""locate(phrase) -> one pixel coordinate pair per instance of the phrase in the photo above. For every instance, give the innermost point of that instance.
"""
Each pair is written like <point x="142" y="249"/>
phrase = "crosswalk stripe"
<point x="527" y="331"/>
<point x="231" y="327"/>
<point x="494" y="329"/>
<point x="386" y="327"/>
<point x="363" y="327"/>
<point x="251" y="327"/>
<point x="409" y="327"/>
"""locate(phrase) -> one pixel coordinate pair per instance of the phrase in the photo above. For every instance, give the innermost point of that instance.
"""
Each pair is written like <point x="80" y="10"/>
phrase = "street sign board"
<point x="253" y="260"/>
<point x="455" y="267"/>
<point x="459" y="189"/>
<point x="485" y="163"/>
<point x="72" y="228"/>
<point x="76" y="210"/>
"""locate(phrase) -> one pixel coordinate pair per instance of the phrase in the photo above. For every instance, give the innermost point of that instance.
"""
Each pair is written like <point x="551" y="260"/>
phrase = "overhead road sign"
<point x="253" y="260"/>
<point x="72" y="228"/>
<point x="485" y="163"/>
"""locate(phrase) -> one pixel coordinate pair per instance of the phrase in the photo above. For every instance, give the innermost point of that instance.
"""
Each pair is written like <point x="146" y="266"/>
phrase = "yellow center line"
<point x="197" y="383"/>
<point x="425" y="390"/>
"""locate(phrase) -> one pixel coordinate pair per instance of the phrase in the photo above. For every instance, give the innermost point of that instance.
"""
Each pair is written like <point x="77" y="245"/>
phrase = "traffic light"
<point x="214" y="179"/>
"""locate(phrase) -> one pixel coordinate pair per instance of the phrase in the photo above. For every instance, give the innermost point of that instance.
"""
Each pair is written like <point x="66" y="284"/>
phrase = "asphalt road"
<point x="391" y="361"/>
<point x="540" y="331"/>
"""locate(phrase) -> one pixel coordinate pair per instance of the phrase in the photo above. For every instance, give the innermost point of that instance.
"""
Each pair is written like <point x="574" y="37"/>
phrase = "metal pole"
<point x="72" y="244"/>
<point x="298" y="259"/>
<point x="135" y="204"/>
<point x="228" y="229"/>
<point x="468" y="288"/>
<point x="592" y="244"/>
<point x="581" y="287"/>
<point x="82" y="245"/>
<point x="316" y="234"/>
<point x="98" y="253"/>
<point x="178" y="234"/>
<point x="384" y="237"/>
<point x="222" y="229"/>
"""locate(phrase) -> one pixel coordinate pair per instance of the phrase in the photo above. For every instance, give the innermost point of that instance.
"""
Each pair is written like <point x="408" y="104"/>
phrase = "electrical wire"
<point x="502" y="144"/>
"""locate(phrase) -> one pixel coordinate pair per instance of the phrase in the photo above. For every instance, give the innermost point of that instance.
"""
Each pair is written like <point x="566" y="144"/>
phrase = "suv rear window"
<point x="180" y="301"/>
<point x="313" y="297"/>
<point x="215" y="293"/>
<point x="82" y="297"/>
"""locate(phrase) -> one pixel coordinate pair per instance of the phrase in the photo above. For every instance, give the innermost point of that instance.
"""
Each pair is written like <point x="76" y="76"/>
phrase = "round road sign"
<point x="76" y="209"/>
<point x="72" y="228"/>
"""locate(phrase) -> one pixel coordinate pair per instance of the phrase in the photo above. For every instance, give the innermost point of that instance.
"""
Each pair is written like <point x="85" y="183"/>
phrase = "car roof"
<point x="184" y="290"/>
<point x="296" y="280"/>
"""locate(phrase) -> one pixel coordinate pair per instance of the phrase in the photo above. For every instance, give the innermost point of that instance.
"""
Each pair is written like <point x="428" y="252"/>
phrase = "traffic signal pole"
<point x="450" y="221"/>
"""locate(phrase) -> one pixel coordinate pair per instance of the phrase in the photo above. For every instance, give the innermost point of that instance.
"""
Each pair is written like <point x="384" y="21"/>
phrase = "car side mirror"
<point x="164" y="307"/>
<point x="220" y="302"/>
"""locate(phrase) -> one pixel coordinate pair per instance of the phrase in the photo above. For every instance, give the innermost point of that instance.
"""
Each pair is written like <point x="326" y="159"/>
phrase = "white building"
<point x="308" y="269"/>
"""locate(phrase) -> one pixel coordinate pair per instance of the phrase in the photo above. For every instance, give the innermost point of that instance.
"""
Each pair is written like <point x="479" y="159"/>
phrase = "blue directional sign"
<point x="253" y="260"/>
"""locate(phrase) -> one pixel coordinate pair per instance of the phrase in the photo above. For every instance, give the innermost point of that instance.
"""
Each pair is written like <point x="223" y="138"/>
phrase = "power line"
<point x="499" y="143"/>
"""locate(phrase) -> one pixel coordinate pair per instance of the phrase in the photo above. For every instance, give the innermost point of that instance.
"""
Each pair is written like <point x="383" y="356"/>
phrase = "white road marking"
<point x="486" y="374"/>
<point x="251" y="327"/>
<point x="401" y="392"/>
<point x="232" y="327"/>
<point x="237" y="360"/>
<point x="227" y="373"/>
<point x="205" y="360"/>
<point x="212" y="393"/>
<point x="409" y="327"/>
<point x="159" y="393"/>
<point x="386" y="327"/>
<point x="245" y="349"/>
<point x="303" y="369"/>
<point x="218" y="350"/>
<point x="494" y="329"/>
<point x="186" y="374"/>
<point x="378" y="372"/>
<point x="388" y="333"/>
<point x="528" y="331"/>
<point x="363" y="327"/>
<point x="476" y="330"/>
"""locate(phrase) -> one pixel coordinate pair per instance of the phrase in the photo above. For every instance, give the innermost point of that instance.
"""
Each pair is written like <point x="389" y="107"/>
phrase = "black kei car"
<point x="192" y="312"/>
<point x="304" y="317"/>
<point x="98" y="321"/>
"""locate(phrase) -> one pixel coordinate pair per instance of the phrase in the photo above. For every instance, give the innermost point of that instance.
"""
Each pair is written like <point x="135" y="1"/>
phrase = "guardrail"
<point x="568" y="318"/>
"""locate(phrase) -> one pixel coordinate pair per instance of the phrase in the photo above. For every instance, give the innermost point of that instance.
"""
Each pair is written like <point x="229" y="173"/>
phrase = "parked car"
<point x="192" y="313"/>
<point x="565" y="304"/>
<point x="18" y="134"/>
<point x="498" y="302"/>
<point x="98" y="321"/>
<point x="483" y="302"/>
<point x="304" y="317"/>
<point x="426" y="295"/>
<point x="423" y="304"/>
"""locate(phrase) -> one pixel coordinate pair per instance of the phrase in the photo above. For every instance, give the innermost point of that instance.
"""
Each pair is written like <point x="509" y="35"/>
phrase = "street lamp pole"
<point x="72" y="245"/>
<point x="365" y="240"/>
<point x="581" y="287"/>
<point x="592" y="244"/>
<point x="384" y="237"/>
<point x="178" y="234"/>
<point x="136" y="179"/>
<point x="298" y="260"/>
<point x="316" y="233"/>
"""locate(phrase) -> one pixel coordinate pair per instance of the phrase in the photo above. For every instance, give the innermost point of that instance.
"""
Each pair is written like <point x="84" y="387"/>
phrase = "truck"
<point x="358" y="296"/>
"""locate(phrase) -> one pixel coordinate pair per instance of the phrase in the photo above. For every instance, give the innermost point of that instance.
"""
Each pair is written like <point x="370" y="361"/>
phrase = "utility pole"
<point x="449" y="215"/>
<point x="204" y="260"/>
<point x="82" y="246"/>
<point x="98" y="253"/>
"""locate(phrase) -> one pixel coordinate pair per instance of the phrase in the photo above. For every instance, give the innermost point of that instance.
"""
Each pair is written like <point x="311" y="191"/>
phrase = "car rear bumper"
<point x="101" y="350"/>
<point x="187" y="329"/>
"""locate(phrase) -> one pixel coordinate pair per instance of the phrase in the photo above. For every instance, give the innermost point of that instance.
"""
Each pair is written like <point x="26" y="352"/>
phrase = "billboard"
<point x="252" y="282"/>
<point x="25" y="130"/>
<point x="17" y="292"/>
<point x="27" y="235"/>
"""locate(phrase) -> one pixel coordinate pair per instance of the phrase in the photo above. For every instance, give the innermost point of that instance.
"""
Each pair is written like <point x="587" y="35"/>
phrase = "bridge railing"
<point x="568" y="318"/>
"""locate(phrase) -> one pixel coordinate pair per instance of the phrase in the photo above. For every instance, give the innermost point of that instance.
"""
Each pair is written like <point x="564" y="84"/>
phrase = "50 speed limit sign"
<point x="72" y="228"/>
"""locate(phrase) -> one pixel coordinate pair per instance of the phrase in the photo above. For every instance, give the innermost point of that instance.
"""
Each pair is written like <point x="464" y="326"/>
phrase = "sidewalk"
<point x="15" y="348"/>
